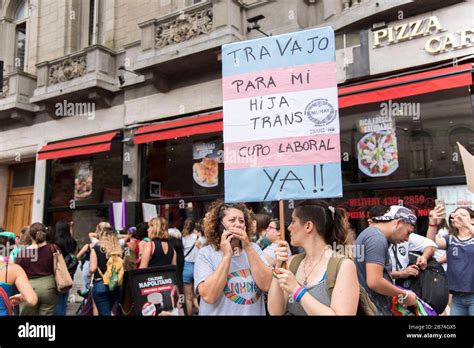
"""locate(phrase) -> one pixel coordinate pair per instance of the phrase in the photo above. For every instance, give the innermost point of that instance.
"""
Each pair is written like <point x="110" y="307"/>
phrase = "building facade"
<point x="111" y="100"/>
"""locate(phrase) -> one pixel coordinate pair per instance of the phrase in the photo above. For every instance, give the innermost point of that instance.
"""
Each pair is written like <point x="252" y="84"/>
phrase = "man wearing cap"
<point x="374" y="266"/>
<point x="399" y="253"/>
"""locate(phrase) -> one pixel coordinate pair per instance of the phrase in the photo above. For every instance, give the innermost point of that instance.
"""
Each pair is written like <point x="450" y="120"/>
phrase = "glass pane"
<point x="92" y="22"/>
<point x="20" y="46"/>
<point x="409" y="138"/>
<point x="85" y="221"/>
<point x="23" y="175"/>
<point x="357" y="204"/>
<point x="21" y="11"/>
<point x="189" y="166"/>
<point x="88" y="179"/>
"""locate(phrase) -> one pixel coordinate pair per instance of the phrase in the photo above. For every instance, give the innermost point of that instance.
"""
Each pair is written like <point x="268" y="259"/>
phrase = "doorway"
<point x="20" y="197"/>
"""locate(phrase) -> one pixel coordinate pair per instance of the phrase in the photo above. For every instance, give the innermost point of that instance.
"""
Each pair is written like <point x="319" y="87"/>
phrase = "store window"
<point x="23" y="175"/>
<point x="93" y="27"/>
<point x="85" y="221"/>
<point x="80" y="188"/>
<point x="409" y="138"/>
<point x="86" y="180"/>
<point x="184" y="167"/>
<point x="358" y="203"/>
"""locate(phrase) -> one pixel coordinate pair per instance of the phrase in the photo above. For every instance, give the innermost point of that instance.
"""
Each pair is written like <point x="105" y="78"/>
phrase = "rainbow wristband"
<point x="299" y="293"/>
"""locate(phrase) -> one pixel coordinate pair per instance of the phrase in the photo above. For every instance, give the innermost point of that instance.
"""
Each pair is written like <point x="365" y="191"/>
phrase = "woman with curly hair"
<point x="316" y="227"/>
<point x="107" y="246"/>
<point x="230" y="273"/>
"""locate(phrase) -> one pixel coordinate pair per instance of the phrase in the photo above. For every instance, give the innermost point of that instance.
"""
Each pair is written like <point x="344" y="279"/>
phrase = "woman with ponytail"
<point x="38" y="262"/>
<point x="321" y="230"/>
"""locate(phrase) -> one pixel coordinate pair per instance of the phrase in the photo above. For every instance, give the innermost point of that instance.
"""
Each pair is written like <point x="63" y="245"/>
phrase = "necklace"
<point x="306" y="275"/>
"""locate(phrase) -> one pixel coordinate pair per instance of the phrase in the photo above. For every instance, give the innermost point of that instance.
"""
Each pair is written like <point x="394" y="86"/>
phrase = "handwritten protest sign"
<point x="281" y="121"/>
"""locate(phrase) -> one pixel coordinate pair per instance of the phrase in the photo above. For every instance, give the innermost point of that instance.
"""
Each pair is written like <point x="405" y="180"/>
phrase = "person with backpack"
<point x="160" y="251"/>
<point x="316" y="227"/>
<point x="192" y="242"/>
<point x="37" y="261"/>
<point x="13" y="276"/>
<point x="374" y="265"/>
<point x="68" y="246"/>
<point x="106" y="264"/>
<point x="459" y="246"/>
<point x="414" y="267"/>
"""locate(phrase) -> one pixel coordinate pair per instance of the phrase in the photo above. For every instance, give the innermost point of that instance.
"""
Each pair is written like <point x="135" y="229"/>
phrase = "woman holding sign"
<point x="230" y="273"/>
<point x="303" y="289"/>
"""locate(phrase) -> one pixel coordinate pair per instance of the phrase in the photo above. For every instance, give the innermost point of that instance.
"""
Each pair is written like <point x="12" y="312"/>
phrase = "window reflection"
<point x="424" y="143"/>
<point x="188" y="166"/>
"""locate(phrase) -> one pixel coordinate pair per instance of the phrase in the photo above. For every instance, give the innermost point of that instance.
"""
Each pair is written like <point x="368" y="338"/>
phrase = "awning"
<point x="405" y="86"/>
<point x="202" y="124"/>
<point x="76" y="147"/>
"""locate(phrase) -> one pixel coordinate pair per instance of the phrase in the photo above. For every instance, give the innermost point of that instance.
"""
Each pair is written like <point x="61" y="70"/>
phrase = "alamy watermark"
<point x="243" y="155"/>
<point x="396" y="109"/>
<point x="7" y="249"/>
<point x="69" y="109"/>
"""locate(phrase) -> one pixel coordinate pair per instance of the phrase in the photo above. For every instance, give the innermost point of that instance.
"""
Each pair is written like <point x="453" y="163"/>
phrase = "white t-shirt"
<point x="269" y="251"/>
<point x="440" y="252"/>
<point x="188" y="243"/>
<point x="241" y="295"/>
<point x="415" y="243"/>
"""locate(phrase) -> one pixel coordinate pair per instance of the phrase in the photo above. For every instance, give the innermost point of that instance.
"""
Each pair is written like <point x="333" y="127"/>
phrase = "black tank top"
<point x="159" y="258"/>
<point x="101" y="262"/>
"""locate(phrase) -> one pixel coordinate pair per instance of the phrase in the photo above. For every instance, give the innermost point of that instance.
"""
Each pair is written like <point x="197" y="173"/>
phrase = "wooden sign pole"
<point x="282" y="225"/>
<point x="282" y="219"/>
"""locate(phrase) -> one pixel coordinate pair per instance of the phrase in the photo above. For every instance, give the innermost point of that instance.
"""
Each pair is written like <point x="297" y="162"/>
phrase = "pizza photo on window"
<point x="378" y="154"/>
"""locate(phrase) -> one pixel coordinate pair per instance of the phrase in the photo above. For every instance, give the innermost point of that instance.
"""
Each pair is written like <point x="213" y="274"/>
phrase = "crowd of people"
<point x="234" y="262"/>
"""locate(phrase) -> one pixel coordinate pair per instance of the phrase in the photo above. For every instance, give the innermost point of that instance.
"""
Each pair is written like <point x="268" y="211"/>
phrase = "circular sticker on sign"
<point x="320" y="112"/>
<point x="148" y="309"/>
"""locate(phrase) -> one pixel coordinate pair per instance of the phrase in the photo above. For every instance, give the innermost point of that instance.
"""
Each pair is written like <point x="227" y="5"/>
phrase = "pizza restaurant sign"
<point x="430" y="26"/>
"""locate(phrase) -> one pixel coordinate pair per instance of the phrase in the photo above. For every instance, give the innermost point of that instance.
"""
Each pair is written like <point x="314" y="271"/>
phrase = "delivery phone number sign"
<point x="281" y="119"/>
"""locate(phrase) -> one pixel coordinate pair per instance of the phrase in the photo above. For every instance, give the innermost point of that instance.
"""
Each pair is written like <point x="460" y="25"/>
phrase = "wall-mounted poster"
<point x="377" y="150"/>
<point x="206" y="164"/>
<point x="83" y="181"/>
<point x="155" y="189"/>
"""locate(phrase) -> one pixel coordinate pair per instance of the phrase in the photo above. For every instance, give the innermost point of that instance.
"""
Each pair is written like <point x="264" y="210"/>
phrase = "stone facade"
<point x="174" y="46"/>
